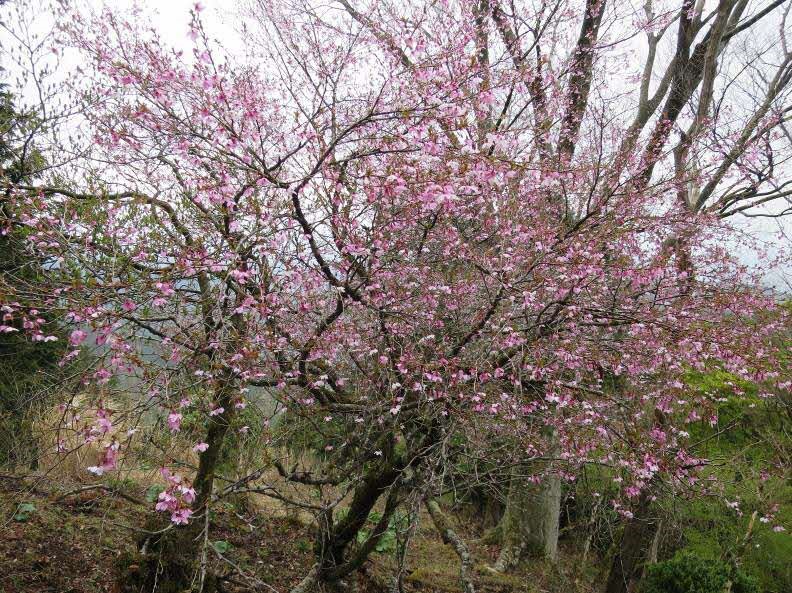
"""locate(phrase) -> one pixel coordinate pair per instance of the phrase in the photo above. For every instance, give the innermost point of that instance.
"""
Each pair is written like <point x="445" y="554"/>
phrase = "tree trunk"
<point x="334" y="539"/>
<point x="530" y="522"/>
<point x="449" y="536"/>
<point x="334" y="562"/>
<point x="634" y="549"/>
<point x="655" y="547"/>
<point x="174" y="560"/>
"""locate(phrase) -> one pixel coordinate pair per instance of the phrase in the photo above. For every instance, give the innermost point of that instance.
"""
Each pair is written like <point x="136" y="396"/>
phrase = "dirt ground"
<point x="59" y="538"/>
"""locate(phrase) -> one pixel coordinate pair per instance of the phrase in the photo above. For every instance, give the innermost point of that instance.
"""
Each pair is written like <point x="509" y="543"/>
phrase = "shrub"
<point x="687" y="573"/>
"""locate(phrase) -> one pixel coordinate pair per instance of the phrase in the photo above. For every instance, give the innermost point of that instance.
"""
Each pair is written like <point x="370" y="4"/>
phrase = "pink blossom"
<point x="174" y="421"/>
<point x="165" y="288"/>
<point x="77" y="337"/>
<point x="188" y="494"/>
<point x="166" y="502"/>
<point x="181" y="516"/>
<point x="103" y="420"/>
<point x="632" y="491"/>
<point x="109" y="460"/>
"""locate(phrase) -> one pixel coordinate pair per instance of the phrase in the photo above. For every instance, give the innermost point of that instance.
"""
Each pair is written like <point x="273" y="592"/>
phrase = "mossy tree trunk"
<point x="176" y="559"/>
<point x="531" y="520"/>
<point x="634" y="548"/>
<point x="450" y="537"/>
<point x="338" y="551"/>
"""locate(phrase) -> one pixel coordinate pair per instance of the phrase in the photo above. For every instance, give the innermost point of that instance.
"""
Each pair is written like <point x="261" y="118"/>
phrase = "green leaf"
<point x="221" y="546"/>
<point x="153" y="492"/>
<point x="387" y="542"/>
<point x="24" y="511"/>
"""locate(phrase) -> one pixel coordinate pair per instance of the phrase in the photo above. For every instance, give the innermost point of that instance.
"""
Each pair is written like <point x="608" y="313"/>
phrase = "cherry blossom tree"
<point x="411" y="223"/>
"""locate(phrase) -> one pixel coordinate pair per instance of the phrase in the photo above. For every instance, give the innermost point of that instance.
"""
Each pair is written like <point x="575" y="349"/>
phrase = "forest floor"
<point x="61" y="538"/>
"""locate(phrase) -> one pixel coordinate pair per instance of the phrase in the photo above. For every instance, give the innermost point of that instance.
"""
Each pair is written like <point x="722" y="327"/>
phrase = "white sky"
<point x="172" y="17"/>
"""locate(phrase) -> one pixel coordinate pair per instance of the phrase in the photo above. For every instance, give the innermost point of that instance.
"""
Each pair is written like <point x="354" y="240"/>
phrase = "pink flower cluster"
<point x="109" y="460"/>
<point x="176" y="498"/>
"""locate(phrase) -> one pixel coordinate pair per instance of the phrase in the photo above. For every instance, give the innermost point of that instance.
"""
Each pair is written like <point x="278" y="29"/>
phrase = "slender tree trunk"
<point x="634" y="549"/>
<point x="449" y="536"/>
<point x="590" y="532"/>
<point x="176" y="560"/>
<point x="335" y="538"/>
<point x="173" y="559"/>
<point x="655" y="547"/>
<point x="215" y="437"/>
<point x="334" y="561"/>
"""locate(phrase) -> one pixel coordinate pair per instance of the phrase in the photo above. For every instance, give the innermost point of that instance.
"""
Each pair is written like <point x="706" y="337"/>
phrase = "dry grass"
<point x="269" y="539"/>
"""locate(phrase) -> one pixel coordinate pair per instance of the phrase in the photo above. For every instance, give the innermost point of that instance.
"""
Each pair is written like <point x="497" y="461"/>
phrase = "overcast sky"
<point x="171" y="18"/>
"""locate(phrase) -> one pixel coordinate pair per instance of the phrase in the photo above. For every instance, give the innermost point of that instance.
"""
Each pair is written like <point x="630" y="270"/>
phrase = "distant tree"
<point x="27" y="369"/>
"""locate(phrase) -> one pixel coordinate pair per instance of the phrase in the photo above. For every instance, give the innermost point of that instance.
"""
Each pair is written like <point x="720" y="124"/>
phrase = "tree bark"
<point x="530" y="523"/>
<point x="655" y="547"/>
<point x="334" y="538"/>
<point x="383" y="478"/>
<point x="634" y="549"/>
<point x="172" y="559"/>
<point x="449" y="536"/>
<point x="531" y="520"/>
